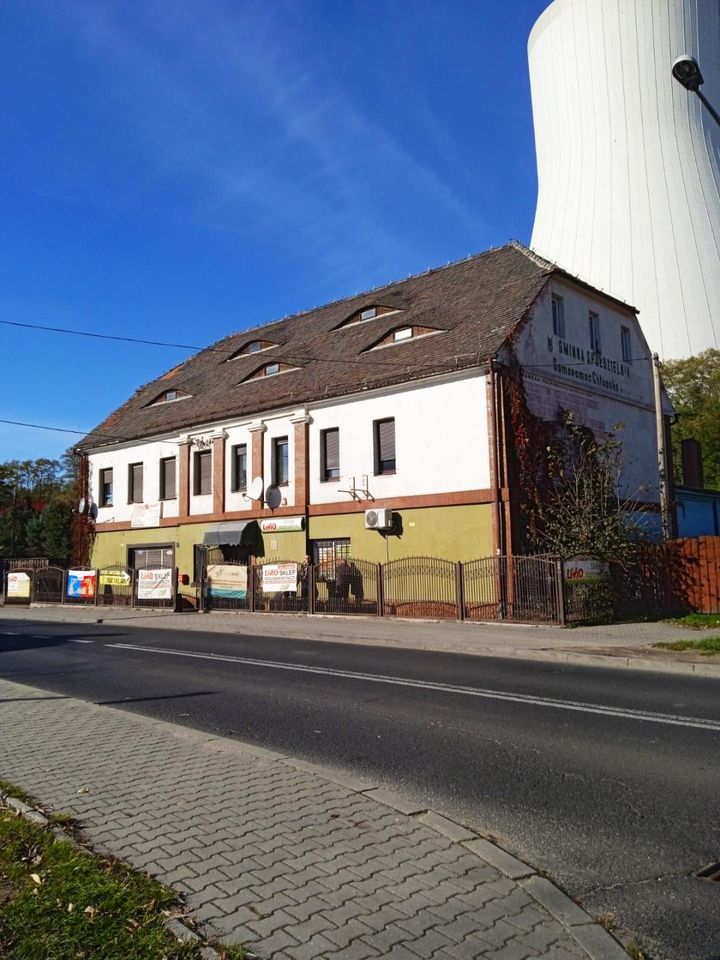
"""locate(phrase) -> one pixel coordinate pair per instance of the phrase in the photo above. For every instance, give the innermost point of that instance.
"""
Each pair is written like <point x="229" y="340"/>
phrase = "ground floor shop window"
<point x="140" y="558"/>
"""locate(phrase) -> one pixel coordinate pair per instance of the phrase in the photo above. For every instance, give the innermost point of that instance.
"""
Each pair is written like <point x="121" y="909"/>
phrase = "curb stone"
<point x="175" y="927"/>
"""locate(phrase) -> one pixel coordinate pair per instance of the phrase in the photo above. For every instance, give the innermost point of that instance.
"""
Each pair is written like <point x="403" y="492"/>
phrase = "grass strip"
<point x="708" y="646"/>
<point x="60" y="902"/>
<point x="697" y="621"/>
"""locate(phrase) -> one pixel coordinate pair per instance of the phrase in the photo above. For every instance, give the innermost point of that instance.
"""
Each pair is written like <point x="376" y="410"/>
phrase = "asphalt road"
<point x="606" y="779"/>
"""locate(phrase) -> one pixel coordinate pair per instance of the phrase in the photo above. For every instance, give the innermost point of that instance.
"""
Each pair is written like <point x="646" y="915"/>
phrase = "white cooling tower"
<point x="629" y="161"/>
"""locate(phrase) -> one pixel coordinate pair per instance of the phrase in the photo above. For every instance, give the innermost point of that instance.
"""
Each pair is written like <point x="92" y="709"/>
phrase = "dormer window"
<point x="403" y="334"/>
<point x="167" y="396"/>
<point x="367" y="313"/>
<point x="251" y="347"/>
<point x="269" y="370"/>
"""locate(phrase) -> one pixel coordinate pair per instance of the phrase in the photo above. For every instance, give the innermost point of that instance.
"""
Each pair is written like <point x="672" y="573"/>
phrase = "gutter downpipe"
<point x="496" y="461"/>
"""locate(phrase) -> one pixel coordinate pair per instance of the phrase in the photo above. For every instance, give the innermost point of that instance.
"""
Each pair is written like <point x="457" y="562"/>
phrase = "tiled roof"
<point x="476" y="302"/>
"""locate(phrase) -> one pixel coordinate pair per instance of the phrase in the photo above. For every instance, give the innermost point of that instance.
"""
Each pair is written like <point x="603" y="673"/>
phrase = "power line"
<point x="79" y="433"/>
<point x="102" y="336"/>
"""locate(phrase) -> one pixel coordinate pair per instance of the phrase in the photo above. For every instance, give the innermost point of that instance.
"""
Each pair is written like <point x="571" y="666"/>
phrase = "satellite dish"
<point x="255" y="490"/>
<point x="82" y="505"/>
<point x="273" y="496"/>
<point x="93" y="511"/>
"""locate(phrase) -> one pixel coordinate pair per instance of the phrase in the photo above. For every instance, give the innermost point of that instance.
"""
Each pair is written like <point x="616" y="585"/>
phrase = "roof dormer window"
<point x="168" y="396"/>
<point x="403" y="335"/>
<point x="269" y="370"/>
<point x="367" y="313"/>
<point x="251" y="347"/>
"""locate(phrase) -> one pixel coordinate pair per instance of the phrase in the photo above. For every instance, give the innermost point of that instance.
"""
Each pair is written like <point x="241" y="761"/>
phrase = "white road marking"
<point x="596" y="708"/>
<point x="79" y="641"/>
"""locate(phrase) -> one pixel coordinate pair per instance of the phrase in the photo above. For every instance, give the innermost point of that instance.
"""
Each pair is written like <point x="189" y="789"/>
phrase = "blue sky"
<point x="179" y="171"/>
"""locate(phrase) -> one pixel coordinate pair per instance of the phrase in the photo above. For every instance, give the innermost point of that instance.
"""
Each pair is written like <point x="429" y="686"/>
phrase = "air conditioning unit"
<point x="378" y="519"/>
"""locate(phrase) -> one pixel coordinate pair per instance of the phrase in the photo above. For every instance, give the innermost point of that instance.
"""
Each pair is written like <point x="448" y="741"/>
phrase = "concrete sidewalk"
<point x="611" y="645"/>
<point x="298" y="862"/>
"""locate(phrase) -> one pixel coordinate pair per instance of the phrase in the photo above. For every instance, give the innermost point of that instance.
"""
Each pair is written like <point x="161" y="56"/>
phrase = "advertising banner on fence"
<point x="115" y="578"/>
<point x="80" y="583"/>
<point x="18" y="586"/>
<point x="585" y="568"/>
<point x="279" y="577"/>
<point x="155" y="584"/>
<point x="227" y="581"/>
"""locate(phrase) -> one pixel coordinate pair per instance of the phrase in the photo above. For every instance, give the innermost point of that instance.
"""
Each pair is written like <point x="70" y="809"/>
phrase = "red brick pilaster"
<point x="183" y="479"/>
<point x="301" y="423"/>
<point x="218" y="486"/>
<point x="257" y="457"/>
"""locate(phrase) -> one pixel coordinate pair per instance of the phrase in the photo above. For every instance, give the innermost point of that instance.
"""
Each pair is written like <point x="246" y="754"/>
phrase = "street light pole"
<point x="688" y="74"/>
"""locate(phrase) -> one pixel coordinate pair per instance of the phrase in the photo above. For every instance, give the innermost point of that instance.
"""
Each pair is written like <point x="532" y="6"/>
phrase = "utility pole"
<point x="667" y="525"/>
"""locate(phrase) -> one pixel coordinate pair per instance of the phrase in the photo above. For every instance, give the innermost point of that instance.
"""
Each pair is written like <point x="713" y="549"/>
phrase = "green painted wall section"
<point x="453" y="533"/>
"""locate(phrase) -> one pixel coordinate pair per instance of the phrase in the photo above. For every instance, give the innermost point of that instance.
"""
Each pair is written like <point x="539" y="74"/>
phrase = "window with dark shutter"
<point x="385" y="446"/>
<point x="202" y="474"/>
<point x="330" y="454"/>
<point x="167" y="479"/>
<point x="239" y="467"/>
<point x="135" y="483"/>
<point x="280" y="461"/>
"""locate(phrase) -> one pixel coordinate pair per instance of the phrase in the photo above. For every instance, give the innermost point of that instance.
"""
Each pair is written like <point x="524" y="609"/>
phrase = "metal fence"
<point x="526" y="589"/>
<point x="48" y="585"/>
<point x="421" y="587"/>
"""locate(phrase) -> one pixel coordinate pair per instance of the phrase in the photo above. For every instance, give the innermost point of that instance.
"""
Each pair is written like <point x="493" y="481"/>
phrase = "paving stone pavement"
<point x="275" y="855"/>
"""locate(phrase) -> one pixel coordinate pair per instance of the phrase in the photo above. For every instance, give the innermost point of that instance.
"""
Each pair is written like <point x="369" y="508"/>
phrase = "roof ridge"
<point x="361" y="293"/>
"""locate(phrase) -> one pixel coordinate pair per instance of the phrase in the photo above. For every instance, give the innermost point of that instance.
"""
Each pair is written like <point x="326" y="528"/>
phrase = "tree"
<point x="586" y="510"/>
<point x="694" y="388"/>
<point x="37" y="498"/>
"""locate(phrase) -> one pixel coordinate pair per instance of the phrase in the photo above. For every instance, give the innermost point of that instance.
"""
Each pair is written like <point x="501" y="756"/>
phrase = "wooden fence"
<point x="683" y="575"/>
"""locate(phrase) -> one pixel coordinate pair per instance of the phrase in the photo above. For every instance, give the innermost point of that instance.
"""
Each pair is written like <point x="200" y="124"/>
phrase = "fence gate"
<point x="519" y="588"/>
<point x="226" y="586"/>
<point x="48" y="585"/>
<point x="346" y="586"/>
<point x="421" y="587"/>
<point x="115" y="586"/>
<point x="278" y="588"/>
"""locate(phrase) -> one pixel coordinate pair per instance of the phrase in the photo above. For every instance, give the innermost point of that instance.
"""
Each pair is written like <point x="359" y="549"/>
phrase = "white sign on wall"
<point x="155" y="584"/>
<point x="279" y="577"/>
<point x="145" y="515"/>
<point x="282" y="524"/>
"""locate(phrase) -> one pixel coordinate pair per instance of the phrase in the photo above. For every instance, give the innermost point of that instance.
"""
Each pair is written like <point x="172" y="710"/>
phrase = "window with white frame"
<point x="280" y="462"/>
<point x="239" y="467"/>
<point x="330" y="454"/>
<point x="202" y="472"/>
<point x="106" y="487"/>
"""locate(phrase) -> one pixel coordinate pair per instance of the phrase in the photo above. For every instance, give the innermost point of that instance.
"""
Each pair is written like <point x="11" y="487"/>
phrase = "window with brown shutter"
<point x="167" y="479"/>
<point x="135" y="483"/>
<point x="384" y="442"/>
<point x="202" y="472"/>
<point x="330" y="454"/>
